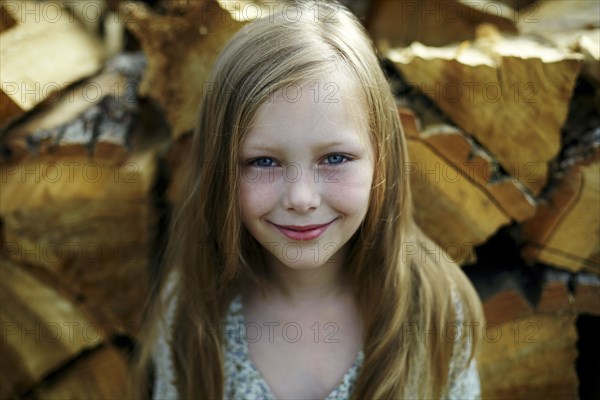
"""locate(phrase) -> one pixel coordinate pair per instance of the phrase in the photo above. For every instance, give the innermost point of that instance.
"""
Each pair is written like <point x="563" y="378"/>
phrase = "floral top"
<point x="244" y="381"/>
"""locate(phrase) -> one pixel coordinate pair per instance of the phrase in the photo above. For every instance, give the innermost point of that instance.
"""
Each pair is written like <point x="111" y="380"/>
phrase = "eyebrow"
<point x="320" y="146"/>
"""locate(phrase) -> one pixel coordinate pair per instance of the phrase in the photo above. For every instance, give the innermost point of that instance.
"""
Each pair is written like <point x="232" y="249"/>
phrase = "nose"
<point x="301" y="193"/>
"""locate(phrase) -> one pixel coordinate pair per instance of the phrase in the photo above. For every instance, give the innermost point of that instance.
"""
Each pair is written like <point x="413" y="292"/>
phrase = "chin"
<point x="303" y="256"/>
<point x="301" y="263"/>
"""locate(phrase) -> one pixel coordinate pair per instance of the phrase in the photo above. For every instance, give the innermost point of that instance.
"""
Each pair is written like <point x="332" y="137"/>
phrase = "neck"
<point x="309" y="286"/>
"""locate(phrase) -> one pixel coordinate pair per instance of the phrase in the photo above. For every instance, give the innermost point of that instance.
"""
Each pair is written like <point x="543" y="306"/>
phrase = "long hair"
<point x="212" y="251"/>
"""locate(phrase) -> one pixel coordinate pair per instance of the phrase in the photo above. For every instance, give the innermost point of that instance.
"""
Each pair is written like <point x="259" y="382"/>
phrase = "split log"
<point x="449" y="172"/>
<point x="114" y="34"/>
<point x="181" y="47"/>
<point x="503" y="92"/>
<point x="439" y="190"/>
<point x="398" y="23"/>
<point x="42" y="328"/>
<point x="565" y="229"/>
<point x="560" y="16"/>
<point x="43" y="31"/>
<point x="89" y="13"/>
<point x="101" y="19"/>
<point x="570" y="25"/>
<point x="539" y="365"/>
<point x="101" y="374"/>
<point x="95" y="117"/>
<point x="100" y="248"/>
<point x="528" y="350"/>
<point x="585" y="42"/>
<point x="473" y="162"/>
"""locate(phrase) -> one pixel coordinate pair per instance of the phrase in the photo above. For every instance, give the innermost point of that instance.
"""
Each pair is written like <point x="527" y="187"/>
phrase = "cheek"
<point x="352" y="190"/>
<point x="256" y="198"/>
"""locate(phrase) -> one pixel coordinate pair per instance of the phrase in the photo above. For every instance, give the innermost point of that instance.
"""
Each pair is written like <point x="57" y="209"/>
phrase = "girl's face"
<point x="307" y="169"/>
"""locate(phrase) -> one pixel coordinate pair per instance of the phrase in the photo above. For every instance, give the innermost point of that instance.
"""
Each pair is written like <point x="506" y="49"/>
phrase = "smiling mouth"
<point x="306" y="232"/>
<point x="302" y="228"/>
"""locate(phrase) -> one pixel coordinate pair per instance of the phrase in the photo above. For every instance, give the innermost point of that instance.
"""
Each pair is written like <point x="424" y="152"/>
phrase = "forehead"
<point x="326" y="110"/>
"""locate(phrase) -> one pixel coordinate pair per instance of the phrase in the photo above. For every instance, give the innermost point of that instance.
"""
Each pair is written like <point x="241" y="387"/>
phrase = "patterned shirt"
<point x="243" y="380"/>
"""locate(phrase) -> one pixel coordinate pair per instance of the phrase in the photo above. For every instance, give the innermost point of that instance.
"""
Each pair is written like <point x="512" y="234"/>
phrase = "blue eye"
<point x="263" y="162"/>
<point x="266" y="162"/>
<point x="336" y="159"/>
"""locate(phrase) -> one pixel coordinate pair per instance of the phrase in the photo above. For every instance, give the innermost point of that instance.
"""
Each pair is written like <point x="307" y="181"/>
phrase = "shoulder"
<point x="463" y="376"/>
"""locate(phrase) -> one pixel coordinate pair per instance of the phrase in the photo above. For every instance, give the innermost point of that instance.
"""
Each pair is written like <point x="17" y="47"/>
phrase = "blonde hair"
<point x="211" y="249"/>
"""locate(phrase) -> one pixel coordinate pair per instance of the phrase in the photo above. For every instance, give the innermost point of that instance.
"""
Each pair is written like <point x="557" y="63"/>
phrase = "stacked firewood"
<point x="499" y="103"/>
<point x="79" y="166"/>
<point x="500" y="106"/>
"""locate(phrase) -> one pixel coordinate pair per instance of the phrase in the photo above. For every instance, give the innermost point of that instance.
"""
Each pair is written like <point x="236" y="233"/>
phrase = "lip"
<point x="305" y="232"/>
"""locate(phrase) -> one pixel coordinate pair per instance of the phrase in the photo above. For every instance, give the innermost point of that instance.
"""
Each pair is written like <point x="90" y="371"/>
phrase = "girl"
<point x="288" y="273"/>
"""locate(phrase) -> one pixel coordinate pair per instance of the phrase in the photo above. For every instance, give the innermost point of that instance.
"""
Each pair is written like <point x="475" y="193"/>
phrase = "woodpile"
<point x="530" y="334"/>
<point x="499" y="103"/>
<point x="504" y="137"/>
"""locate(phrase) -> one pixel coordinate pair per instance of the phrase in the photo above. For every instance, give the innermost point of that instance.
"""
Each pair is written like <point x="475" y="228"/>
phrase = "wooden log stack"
<point x="499" y="103"/>
<point x="500" y="107"/>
